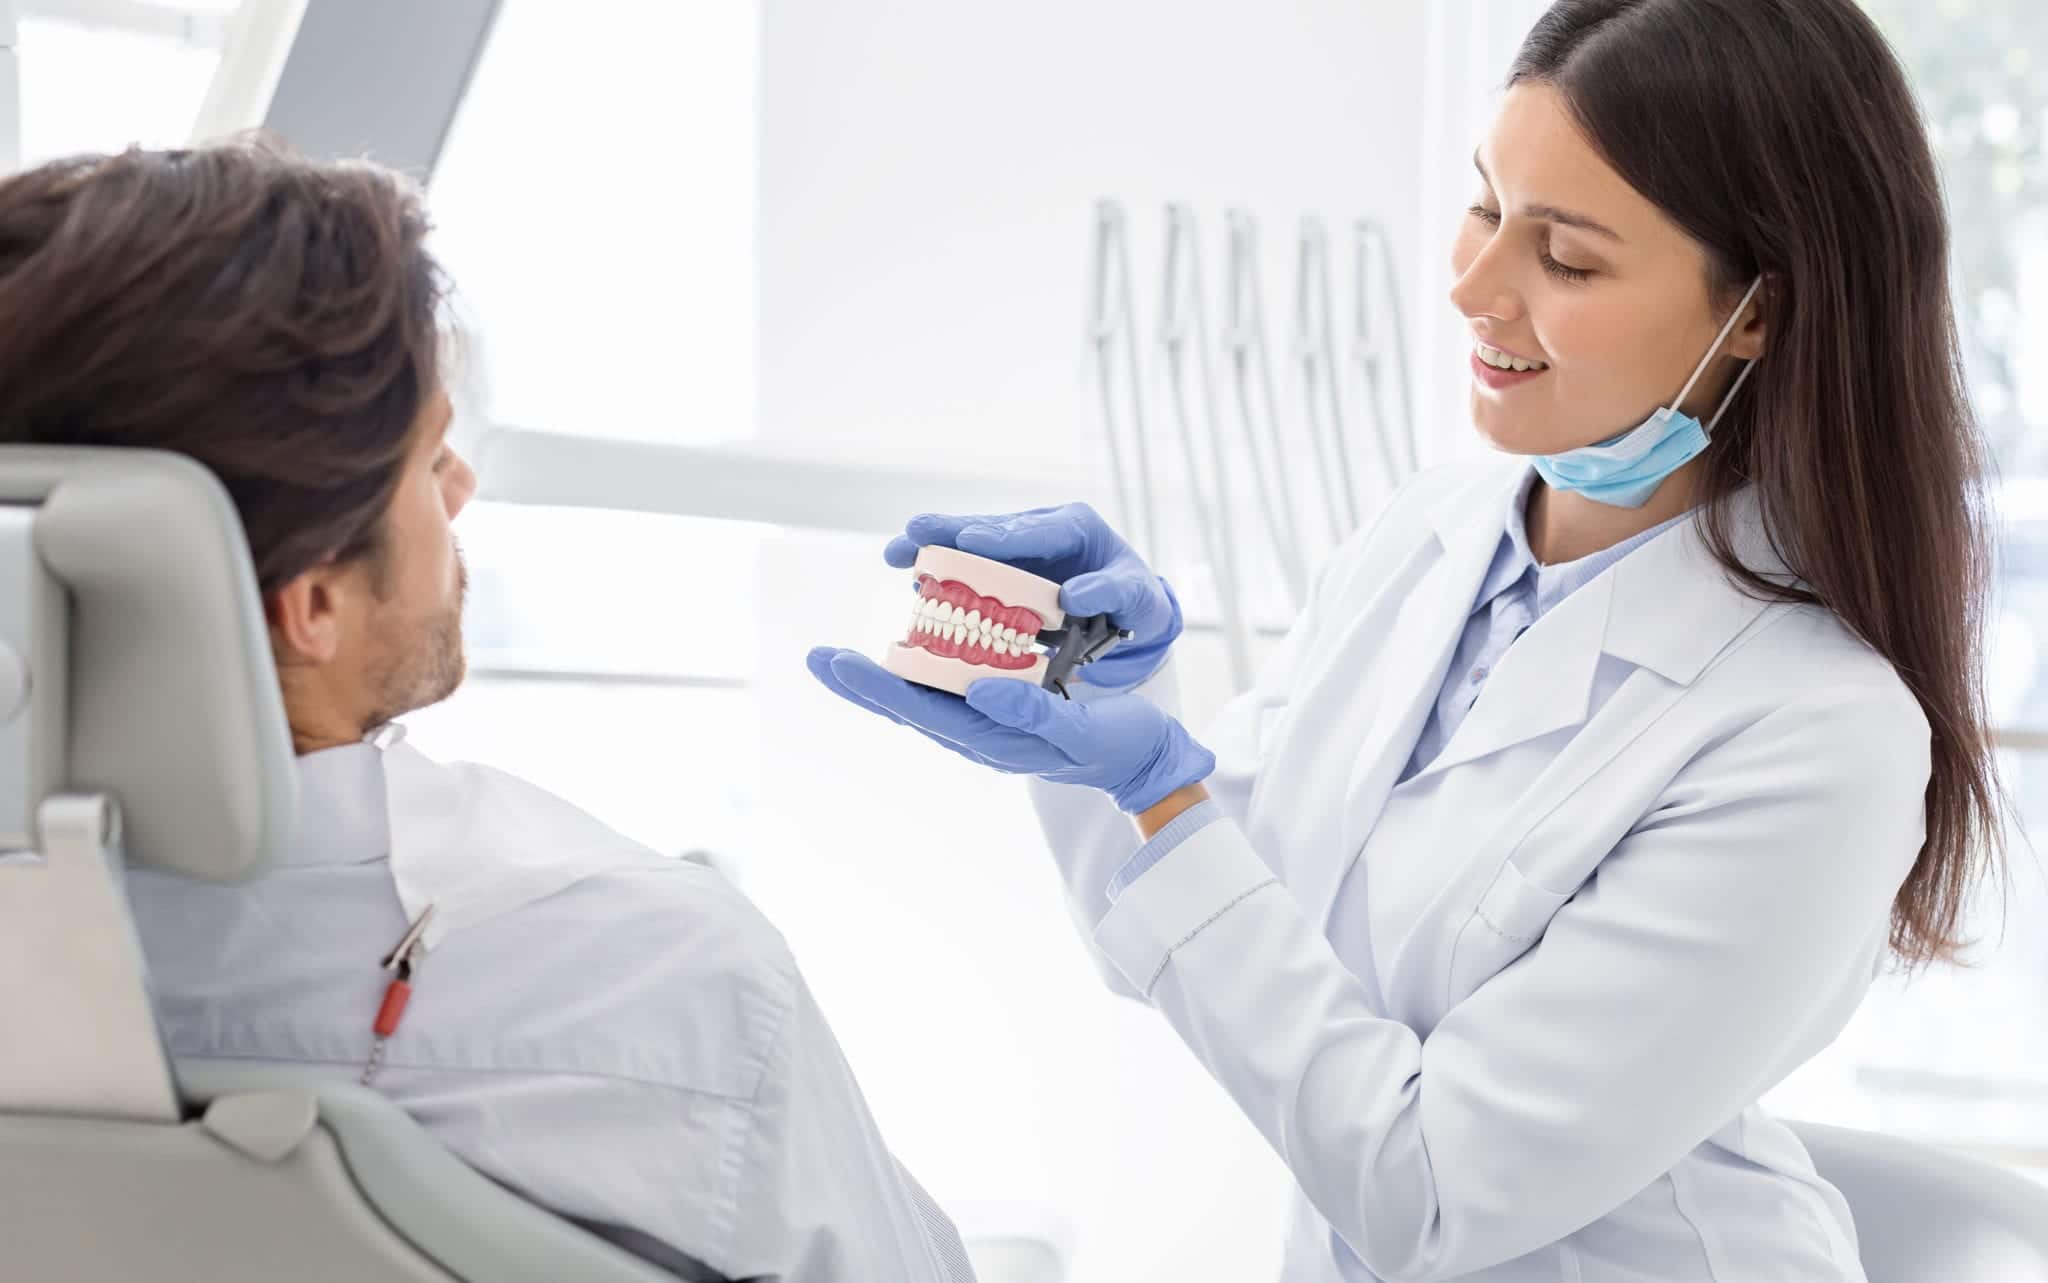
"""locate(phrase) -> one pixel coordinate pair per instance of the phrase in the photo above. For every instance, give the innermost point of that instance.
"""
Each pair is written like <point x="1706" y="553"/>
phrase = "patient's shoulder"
<point x="665" y="973"/>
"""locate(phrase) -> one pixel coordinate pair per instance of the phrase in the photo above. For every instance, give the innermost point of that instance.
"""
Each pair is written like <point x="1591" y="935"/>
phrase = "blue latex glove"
<point x="1097" y="572"/>
<point x="1121" y="744"/>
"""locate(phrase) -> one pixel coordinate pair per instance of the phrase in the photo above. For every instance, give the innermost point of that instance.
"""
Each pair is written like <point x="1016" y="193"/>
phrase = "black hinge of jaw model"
<point x="1083" y="639"/>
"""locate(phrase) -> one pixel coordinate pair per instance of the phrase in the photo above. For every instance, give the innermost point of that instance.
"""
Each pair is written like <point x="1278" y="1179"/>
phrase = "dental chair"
<point x="140" y="722"/>
<point x="1925" y="1215"/>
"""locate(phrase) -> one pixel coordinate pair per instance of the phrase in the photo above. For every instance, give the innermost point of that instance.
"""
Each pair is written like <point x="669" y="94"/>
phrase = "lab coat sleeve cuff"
<point x="1211" y="873"/>
<point x="1178" y="830"/>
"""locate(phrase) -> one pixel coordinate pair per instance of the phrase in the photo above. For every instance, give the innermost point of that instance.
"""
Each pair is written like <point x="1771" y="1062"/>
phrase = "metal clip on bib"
<point x="1083" y="639"/>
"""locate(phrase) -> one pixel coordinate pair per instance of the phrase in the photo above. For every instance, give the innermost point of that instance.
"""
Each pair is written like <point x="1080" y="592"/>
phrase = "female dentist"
<point x="1595" y="783"/>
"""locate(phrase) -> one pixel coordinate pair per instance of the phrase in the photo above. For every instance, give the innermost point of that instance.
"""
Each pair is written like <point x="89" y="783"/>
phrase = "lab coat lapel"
<point x="1668" y="608"/>
<point x="1675" y="608"/>
<point x="1468" y="526"/>
<point x="1543" y="683"/>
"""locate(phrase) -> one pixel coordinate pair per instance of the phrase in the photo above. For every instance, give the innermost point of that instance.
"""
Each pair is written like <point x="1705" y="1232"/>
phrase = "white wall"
<point x="929" y="170"/>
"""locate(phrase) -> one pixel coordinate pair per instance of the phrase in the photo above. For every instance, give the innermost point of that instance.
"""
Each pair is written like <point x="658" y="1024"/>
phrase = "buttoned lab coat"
<point x="1509" y="1020"/>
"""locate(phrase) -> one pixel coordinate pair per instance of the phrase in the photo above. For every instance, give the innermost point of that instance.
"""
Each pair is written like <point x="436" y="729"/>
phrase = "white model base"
<point x="955" y="675"/>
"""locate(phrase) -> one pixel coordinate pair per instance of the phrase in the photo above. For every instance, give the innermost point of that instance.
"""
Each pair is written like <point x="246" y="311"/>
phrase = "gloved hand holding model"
<point x="1121" y="744"/>
<point x="1097" y="571"/>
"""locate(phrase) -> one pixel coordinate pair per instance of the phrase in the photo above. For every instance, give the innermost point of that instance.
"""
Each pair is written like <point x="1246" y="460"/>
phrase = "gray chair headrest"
<point x="174" y="705"/>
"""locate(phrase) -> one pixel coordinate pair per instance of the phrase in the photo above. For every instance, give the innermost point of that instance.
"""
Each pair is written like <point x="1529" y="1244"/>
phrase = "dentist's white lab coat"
<point x="1647" y="877"/>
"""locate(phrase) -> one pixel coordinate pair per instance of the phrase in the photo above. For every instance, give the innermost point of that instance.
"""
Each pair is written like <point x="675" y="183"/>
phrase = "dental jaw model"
<point x="979" y="618"/>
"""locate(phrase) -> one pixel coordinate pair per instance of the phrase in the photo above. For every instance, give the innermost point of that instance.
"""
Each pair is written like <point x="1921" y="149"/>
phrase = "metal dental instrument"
<point x="1269" y="425"/>
<point x="1314" y="352"/>
<point x="1373" y="344"/>
<point x="1183" y="324"/>
<point x="1113" y="318"/>
<point x="1244" y="341"/>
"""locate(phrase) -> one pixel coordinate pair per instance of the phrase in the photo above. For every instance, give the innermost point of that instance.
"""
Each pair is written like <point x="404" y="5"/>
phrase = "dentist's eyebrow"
<point x="1552" y="214"/>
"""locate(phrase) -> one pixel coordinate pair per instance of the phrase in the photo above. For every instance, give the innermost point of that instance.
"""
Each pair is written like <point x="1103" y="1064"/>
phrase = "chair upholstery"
<point x="1925" y="1215"/>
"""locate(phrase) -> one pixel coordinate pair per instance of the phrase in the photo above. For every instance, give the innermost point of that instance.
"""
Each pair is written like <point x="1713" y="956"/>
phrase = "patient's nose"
<point x="460" y="486"/>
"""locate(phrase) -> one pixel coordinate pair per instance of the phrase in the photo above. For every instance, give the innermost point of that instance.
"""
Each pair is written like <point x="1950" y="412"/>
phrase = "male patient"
<point x="636" y="1052"/>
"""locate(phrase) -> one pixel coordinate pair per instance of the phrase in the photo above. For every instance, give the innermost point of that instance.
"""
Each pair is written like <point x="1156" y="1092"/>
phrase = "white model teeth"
<point x="1500" y="360"/>
<point x="957" y="624"/>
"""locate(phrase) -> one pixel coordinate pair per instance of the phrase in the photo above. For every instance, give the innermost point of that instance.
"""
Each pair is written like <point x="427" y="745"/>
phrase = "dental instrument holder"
<point x="1083" y="639"/>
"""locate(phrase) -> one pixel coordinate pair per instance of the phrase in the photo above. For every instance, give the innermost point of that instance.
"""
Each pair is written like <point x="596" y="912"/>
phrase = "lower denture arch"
<point x="954" y="621"/>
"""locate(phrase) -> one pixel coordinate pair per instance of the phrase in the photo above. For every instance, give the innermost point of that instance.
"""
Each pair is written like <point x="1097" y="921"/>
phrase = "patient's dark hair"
<point x="274" y="318"/>
<point x="1782" y="136"/>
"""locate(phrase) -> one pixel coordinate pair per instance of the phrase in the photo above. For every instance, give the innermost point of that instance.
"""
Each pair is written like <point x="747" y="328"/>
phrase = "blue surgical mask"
<point x="1626" y="470"/>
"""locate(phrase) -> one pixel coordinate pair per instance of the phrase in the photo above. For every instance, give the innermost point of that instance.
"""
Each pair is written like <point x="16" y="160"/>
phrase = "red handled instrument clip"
<point x="400" y="962"/>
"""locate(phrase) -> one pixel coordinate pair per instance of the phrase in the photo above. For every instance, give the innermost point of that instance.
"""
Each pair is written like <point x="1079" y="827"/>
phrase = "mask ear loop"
<point x="1720" y="338"/>
<point x="1733" y="388"/>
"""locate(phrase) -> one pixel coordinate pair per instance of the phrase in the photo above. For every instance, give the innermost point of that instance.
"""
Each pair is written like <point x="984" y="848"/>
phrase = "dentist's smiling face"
<point x="1562" y="264"/>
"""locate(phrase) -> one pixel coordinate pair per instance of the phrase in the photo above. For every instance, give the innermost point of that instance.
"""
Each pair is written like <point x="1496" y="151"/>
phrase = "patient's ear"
<point x="305" y="615"/>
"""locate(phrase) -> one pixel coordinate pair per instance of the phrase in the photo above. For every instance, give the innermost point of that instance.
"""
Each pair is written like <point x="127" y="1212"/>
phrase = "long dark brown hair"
<point x="1782" y="136"/>
<point x="274" y="318"/>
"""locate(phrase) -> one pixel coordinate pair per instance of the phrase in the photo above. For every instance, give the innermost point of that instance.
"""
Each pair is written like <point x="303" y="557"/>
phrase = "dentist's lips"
<point x="1495" y="377"/>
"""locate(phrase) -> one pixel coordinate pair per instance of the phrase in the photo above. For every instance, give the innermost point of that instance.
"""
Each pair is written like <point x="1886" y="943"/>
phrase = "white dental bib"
<point x="475" y="842"/>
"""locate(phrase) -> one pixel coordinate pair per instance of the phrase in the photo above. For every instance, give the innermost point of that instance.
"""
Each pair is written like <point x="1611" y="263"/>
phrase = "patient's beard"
<point x="425" y="668"/>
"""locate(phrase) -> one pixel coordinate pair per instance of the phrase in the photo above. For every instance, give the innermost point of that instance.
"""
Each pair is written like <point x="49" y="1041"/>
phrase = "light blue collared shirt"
<point x="636" y="1052"/>
<point x="1516" y="591"/>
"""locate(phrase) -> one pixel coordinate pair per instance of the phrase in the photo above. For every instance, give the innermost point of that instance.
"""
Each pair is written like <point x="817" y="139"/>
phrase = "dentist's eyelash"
<point x="1563" y="273"/>
<point x="1550" y="265"/>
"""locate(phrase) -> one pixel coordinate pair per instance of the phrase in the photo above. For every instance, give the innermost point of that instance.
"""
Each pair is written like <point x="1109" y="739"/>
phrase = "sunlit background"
<point x="741" y="283"/>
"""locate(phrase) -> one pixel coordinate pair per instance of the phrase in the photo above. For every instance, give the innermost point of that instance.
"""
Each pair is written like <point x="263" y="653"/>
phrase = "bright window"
<point x="595" y="202"/>
<point x="87" y="86"/>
